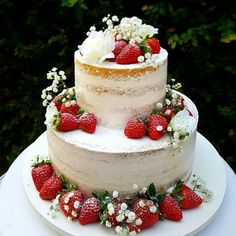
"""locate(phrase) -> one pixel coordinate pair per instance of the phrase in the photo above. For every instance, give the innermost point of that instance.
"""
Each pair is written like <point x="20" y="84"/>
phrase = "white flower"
<point x="120" y="217"/>
<point x="108" y="224"/>
<point x="138" y="221"/>
<point x="141" y="59"/>
<point x="51" y="111"/>
<point x="98" y="46"/>
<point x="118" y="229"/>
<point x="115" y="18"/>
<point x="159" y="128"/>
<point x="153" y="209"/>
<point x="182" y="123"/>
<point x="159" y="106"/>
<point x="131" y="216"/>
<point x="147" y="31"/>
<point x="115" y="194"/>
<point x="123" y="206"/>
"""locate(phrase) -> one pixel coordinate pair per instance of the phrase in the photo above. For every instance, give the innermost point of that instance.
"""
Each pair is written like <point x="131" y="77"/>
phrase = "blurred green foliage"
<point x="200" y="36"/>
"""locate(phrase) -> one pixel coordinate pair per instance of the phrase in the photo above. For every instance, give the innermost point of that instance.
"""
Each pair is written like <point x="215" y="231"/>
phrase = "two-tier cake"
<point x="120" y="75"/>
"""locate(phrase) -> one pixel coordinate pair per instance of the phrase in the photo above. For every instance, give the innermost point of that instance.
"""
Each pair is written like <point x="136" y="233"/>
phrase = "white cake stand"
<point x="208" y="165"/>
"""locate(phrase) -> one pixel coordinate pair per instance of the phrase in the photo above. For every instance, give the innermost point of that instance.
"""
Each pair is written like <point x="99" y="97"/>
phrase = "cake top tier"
<point x="125" y="41"/>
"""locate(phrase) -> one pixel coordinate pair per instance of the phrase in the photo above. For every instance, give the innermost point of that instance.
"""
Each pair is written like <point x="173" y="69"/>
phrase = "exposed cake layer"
<point x="108" y="160"/>
<point x="115" y="93"/>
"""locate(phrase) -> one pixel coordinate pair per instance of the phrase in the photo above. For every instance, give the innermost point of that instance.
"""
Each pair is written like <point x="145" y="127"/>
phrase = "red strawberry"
<point x="72" y="108"/>
<point x="129" y="54"/>
<point x="58" y="102"/>
<point x="40" y="173"/>
<point x="190" y="199"/>
<point x="154" y="45"/>
<point x="65" y="122"/>
<point x="119" y="45"/>
<point x="146" y="211"/>
<point x="90" y="211"/>
<point x="135" y="128"/>
<point x="112" y="218"/>
<point x="168" y="113"/>
<point x="71" y="203"/>
<point x="88" y="122"/>
<point x="157" y="126"/>
<point x="51" y="188"/>
<point x="169" y="209"/>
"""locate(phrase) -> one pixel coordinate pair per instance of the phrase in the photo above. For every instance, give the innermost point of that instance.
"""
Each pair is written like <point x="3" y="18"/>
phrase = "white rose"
<point x="182" y="123"/>
<point x="147" y="31"/>
<point x="98" y="46"/>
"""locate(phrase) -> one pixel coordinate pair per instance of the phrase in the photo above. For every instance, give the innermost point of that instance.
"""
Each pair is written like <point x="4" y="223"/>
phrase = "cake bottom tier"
<point x="108" y="160"/>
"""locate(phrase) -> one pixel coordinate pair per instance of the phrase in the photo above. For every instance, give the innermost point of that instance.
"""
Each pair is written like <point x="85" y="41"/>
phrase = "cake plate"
<point x="207" y="164"/>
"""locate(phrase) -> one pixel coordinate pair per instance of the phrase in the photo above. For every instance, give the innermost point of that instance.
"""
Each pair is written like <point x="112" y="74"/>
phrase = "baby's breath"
<point x="58" y="83"/>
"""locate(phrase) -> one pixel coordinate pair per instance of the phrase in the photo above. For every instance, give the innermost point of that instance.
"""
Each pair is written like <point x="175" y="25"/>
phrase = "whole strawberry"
<point x="157" y="126"/>
<point x="65" y="122"/>
<point x="170" y="209"/>
<point x="129" y="54"/>
<point x="40" y="173"/>
<point x="154" y="45"/>
<point x="112" y="215"/>
<point x="135" y="128"/>
<point x="51" y="188"/>
<point x="88" y="122"/>
<point x="146" y="211"/>
<point x="89" y="212"/>
<point x="70" y="107"/>
<point x="190" y="198"/>
<point x="71" y="202"/>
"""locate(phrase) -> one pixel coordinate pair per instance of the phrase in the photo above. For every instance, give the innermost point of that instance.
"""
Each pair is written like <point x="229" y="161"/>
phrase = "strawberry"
<point x="154" y="45"/>
<point x="58" y="102"/>
<point x="168" y="113"/>
<point x="112" y="218"/>
<point x="190" y="198"/>
<point x="88" y="122"/>
<point x="119" y="45"/>
<point x="146" y="211"/>
<point x="89" y="212"/>
<point x="157" y="126"/>
<point x="135" y="128"/>
<point x="129" y="54"/>
<point x="40" y="173"/>
<point x="170" y="209"/>
<point x="71" y="202"/>
<point x="65" y="122"/>
<point x="51" y="188"/>
<point x="71" y="108"/>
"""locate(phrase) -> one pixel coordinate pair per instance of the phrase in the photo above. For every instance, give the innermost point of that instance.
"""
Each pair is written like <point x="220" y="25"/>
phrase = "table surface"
<point x="18" y="216"/>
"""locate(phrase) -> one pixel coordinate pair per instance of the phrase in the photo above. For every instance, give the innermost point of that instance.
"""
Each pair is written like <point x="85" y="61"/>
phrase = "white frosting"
<point x="117" y="98"/>
<point x="109" y="160"/>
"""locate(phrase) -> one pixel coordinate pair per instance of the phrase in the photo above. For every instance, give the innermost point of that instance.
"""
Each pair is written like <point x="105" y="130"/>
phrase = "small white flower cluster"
<point x="130" y="29"/>
<point x="199" y="185"/>
<point x="54" y="207"/>
<point x="150" y="59"/>
<point x="57" y="83"/>
<point x="124" y="214"/>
